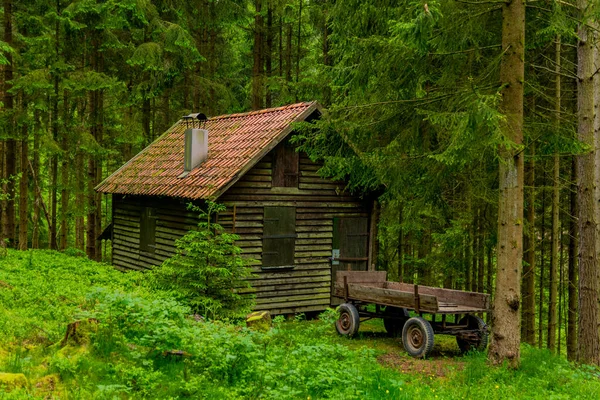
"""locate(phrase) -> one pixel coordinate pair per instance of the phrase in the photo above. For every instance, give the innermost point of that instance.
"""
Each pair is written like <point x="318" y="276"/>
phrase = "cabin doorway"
<point x="350" y="247"/>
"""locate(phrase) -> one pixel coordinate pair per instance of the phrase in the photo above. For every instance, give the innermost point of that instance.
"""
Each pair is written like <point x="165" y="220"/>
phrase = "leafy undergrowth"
<point x="136" y="343"/>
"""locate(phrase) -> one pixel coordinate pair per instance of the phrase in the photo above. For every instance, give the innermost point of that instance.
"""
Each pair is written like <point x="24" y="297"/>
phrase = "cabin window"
<point x="148" y="229"/>
<point x="279" y="237"/>
<point x="285" y="165"/>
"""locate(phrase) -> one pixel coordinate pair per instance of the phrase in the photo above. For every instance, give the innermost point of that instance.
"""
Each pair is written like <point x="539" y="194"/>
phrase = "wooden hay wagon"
<point x="393" y="300"/>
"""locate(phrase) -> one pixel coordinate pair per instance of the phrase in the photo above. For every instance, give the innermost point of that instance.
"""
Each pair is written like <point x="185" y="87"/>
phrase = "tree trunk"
<point x="54" y="170"/>
<point x="54" y="158"/>
<point x="98" y="177"/>
<point x="2" y="189"/>
<point x="299" y="44"/>
<point x="186" y="92"/>
<point x="280" y="46"/>
<point x="481" y="252"/>
<point x="127" y="146"/>
<point x="10" y="145"/>
<point x="288" y="53"/>
<point x="554" y="257"/>
<point x="257" y="69"/>
<point x="528" y="290"/>
<point x="468" y="248"/>
<point x="506" y="337"/>
<point x="595" y="24"/>
<point x="166" y="120"/>
<point x="572" y="278"/>
<point x="400" y="245"/>
<point x="79" y="201"/>
<point x="561" y="294"/>
<point x="552" y="304"/>
<point x="146" y="115"/>
<point x="542" y="263"/>
<point x="152" y="119"/>
<point x="24" y="187"/>
<point x="93" y="206"/>
<point x="64" y="192"/>
<point x="91" y="216"/>
<point x="269" y="54"/>
<point x="490" y="270"/>
<point x="374" y="229"/>
<point x="35" y="235"/>
<point x="424" y="249"/>
<point x="409" y="268"/>
<point x="474" y="253"/>
<point x="327" y="62"/>
<point x="589" y="346"/>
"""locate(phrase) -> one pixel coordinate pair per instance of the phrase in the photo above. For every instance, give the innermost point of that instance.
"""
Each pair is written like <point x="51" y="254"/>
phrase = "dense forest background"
<point x="413" y="93"/>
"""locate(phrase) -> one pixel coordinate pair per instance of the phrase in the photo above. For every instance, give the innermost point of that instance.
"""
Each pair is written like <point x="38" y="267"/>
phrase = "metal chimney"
<point x="195" y="144"/>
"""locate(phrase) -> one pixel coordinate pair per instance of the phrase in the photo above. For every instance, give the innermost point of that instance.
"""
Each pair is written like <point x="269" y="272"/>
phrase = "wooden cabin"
<point x="301" y="227"/>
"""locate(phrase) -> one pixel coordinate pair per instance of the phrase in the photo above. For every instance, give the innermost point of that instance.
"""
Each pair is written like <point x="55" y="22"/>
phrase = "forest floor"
<point x="136" y="343"/>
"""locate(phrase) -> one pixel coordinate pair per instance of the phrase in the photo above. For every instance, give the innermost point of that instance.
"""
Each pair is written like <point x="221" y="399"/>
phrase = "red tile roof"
<point x="235" y="143"/>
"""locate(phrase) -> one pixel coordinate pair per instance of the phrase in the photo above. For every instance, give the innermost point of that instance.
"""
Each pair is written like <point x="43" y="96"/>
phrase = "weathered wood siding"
<point x="172" y="222"/>
<point x="306" y="287"/>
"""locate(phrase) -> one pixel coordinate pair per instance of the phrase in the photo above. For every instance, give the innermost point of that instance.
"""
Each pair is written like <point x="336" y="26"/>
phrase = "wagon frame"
<point x="392" y="302"/>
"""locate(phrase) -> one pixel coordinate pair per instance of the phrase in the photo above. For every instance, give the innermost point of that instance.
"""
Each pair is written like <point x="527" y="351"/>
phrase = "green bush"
<point x="153" y="325"/>
<point x="207" y="270"/>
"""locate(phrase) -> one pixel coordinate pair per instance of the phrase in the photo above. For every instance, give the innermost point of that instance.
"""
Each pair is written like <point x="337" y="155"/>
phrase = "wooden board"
<point x="360" y="276"/>
<point x="449" y="297"/>
<point x="378" y="294"/>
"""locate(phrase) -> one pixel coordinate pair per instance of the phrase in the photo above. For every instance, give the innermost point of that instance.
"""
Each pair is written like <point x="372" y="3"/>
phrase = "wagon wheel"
<point x="393" y="326"/>
<point x="349" y="320"/>
<point x="478" y="340"/>
<point x="417" y="337"/>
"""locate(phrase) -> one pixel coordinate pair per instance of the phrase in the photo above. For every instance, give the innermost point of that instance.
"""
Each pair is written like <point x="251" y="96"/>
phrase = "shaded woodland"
<point x="436" y="105"/>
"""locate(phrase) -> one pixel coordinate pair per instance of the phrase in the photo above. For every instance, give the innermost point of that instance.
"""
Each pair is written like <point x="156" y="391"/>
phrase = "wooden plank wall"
<point x="305" y="288"/>
<point x="173" y="221"/>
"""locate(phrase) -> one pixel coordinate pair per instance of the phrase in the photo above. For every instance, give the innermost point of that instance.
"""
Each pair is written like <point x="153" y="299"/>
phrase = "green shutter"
<point x="279" y="236"/>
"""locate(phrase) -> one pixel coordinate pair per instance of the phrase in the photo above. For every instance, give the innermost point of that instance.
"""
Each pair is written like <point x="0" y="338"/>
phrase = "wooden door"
<point x="350" y="246"/>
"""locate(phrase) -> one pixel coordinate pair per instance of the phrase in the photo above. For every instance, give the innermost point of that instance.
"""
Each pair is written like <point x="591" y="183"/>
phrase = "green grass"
<point x="125" y="350"/>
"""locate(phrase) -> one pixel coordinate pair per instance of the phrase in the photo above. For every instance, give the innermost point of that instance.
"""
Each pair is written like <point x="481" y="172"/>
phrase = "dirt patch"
<point x="432" y="367"/>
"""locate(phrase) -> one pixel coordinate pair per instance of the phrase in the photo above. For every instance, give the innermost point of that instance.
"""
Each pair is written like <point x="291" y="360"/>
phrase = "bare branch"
<point x="554" y="72"/>
<point x="466" y="51"/>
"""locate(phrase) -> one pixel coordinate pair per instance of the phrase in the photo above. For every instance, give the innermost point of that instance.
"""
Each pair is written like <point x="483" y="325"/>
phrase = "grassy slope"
<point x="40" y="292"/>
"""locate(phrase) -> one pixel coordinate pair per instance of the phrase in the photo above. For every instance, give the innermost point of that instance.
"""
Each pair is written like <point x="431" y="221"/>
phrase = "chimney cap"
<point x="197" y="116"/>
<point x="192" y="118"/>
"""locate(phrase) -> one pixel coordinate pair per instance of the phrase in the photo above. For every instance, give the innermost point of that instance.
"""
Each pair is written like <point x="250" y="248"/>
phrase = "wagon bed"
<point x="392" y="301"/>
<point x="372" y="287"/>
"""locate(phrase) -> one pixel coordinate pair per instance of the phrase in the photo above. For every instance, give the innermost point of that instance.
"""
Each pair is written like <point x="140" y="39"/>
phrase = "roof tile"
<point x="234" y="142"/>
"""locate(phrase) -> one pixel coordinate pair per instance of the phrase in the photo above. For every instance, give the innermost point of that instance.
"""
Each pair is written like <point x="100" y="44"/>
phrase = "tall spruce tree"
<point x="506" y="337"/>
<point x="588" y="339"/>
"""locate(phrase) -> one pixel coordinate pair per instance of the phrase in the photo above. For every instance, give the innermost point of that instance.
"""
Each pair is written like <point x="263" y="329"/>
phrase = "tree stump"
<point x="79" y="332"/>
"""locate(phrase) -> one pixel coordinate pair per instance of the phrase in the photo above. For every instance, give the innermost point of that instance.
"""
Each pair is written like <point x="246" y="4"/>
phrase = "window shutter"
<point x="285" y="166"/>
<point x="148" y="229"/>
<point x="350" y="239"/>
<point x="279" y="236"/>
